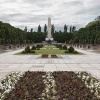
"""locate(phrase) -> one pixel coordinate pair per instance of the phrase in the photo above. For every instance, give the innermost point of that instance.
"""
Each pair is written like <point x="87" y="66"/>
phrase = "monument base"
<point x="49" y="40"/>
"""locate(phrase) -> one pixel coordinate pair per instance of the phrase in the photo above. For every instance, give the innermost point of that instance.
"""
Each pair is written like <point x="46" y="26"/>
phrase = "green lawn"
<point x="49" y="50"/>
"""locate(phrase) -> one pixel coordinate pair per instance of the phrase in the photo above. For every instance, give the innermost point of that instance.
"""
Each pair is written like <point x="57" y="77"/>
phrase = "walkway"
<point x="89" y="62"/>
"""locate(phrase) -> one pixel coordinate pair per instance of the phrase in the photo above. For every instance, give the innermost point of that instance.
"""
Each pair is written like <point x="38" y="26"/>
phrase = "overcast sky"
<point x="31" y="13"/>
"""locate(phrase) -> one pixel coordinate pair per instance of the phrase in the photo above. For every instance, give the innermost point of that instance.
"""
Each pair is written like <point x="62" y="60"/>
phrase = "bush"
<point x="27" y="49"/>
<point x="65" y="47"/>
<point x="38" y="49"/>
<point x="75" y="52"/>
<point x="60" y="46"/>
<point x="33" y="48"/>
<point x="32" y="51"/>
<point x="57" y="45"/>
<point x="66" y="51"/>
<point x="71" y="49"/>
<point x="39" y="46"/>
<point x="23" y="52"/>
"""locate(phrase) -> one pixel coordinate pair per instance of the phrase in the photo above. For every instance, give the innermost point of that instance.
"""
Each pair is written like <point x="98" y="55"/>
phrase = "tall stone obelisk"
<point x="49" y="36"/>
<point x="49" y="28"/>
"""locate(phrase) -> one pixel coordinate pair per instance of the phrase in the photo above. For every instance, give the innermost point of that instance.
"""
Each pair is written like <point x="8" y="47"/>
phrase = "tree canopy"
<point x="88" y="35"/>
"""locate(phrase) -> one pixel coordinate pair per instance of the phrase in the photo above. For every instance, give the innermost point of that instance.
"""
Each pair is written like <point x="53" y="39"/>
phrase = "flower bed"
<point x="8" y="83"/>
<point x="71" y="87"/>
<point x="44" y="56"/>
<point x="29" y="87"/>
<point x="54" y="56"/>
<point x="50" y="86"/>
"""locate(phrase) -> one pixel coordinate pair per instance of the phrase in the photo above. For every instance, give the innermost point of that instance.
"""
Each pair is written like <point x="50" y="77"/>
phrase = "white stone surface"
<point x="89" y="62"/>
<point x="49" y="28"/>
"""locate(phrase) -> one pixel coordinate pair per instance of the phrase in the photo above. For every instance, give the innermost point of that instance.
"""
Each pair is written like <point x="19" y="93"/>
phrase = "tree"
<point x="73" y="28"/>
<point x="25" y="29"/>
<point x="45" y="28"/>
<point x="65" y="28"/>
<point x="31" y="30"/>
<point x="98" y="18"/>
<point x="52" y="29"/>
<point x="70" y="29"/>
<point x="39" y="28"/>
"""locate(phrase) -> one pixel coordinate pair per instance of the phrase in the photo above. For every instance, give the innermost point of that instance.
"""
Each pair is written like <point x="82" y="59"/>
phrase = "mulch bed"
<point x="54" y="56"/>
<point x="29" y="87"/>
<point x="44" y="56"/>
<point x="67" y="87"/>
<point x="70" y="87"/>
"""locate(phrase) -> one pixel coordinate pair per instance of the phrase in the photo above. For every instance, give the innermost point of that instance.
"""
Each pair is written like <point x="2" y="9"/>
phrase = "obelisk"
<point x="49" y="36"/>
<point x="49" y="28"/>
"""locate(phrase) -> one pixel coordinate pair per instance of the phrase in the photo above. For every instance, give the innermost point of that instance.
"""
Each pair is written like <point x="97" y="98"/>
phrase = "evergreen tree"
<point x="98" y="18"/>
<point x="25" y="29"/>
<point x="65" y="28"/>
<point x="70" y="29"/>
<point x="31" y="30"/>
<point x="73" y="28"/>
<point x="45" y="28"/>
<point x="39" y="28"/>
<point x="52" y="29"/>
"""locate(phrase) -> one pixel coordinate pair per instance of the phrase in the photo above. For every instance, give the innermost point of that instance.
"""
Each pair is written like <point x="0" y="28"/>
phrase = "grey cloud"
<point x="72" y="3"/>
<point x="90" y="11"/>
<point x="35" y="1"/>
<point x="31" y="13"/>
<point x="40" y="3"/>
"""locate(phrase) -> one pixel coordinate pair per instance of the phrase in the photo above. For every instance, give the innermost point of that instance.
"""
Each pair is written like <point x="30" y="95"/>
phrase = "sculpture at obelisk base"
<point x="49" y="36"/>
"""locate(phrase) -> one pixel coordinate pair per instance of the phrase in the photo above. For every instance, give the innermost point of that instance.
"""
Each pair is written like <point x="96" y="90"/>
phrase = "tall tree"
<point x="65" y="28"/>
<point x="31" y="30"/>
<point x="70" y="29"/>
<point x="39" y="28"/>
<point x="52" y="28"/>
<point x="98" y="18"/>
<point x="25" y="29"/>
<point x="73" y="28"/>
<point x="45" y="28"/>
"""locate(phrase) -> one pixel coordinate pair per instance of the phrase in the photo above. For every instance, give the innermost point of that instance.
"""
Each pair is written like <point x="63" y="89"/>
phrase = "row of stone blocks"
<point x="8" y="47"/>
<point x="87" y="46"/>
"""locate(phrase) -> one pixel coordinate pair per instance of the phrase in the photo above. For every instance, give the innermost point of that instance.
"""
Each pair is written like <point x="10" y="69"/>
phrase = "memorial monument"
<point x="49" y="37"/>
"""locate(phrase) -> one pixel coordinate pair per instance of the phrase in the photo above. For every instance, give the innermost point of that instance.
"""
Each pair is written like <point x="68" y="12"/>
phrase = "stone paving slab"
<point x="3" y="74"/>
<point x="77" y="69"/>
<point x="36" y="69"/>
<point x="89" y="62"/>
<point x="50" y="67"/>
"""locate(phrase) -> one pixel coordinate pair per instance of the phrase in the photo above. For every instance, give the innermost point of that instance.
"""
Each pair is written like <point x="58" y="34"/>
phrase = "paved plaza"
<point x="89" y="62"/>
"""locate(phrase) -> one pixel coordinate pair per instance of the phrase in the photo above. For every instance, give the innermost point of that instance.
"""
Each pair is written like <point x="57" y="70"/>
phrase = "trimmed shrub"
<point x="65" y="47"/>
<point x="57" y="45"/>
<point x="32" y="51"/>
<point x="33" y="48"/>
<point x="75" y="52"/>
<point x="27" y="49"/>
<point x="23" y="52"/>
<point x="38" y="49"/>
<point x="71" y="49"/>
<point x="39" y="46"/>
<point x="66" y="51"/>
<point x="60" y="46"/>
